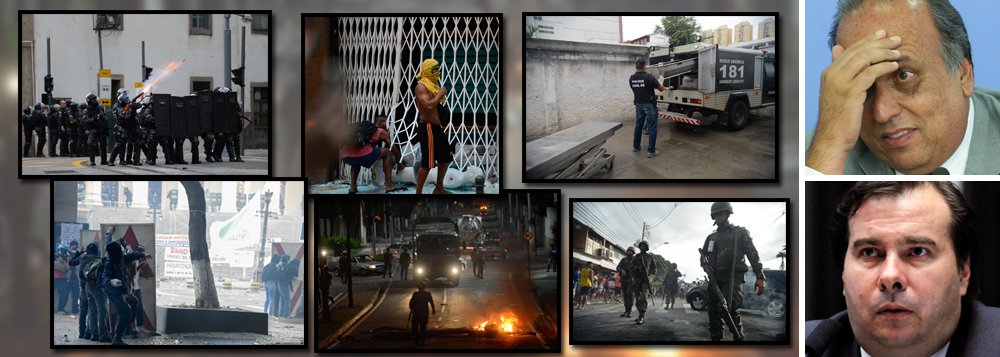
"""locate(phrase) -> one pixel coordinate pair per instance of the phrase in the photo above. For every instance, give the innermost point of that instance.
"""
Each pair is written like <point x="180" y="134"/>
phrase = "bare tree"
<point x="201" y="264"/>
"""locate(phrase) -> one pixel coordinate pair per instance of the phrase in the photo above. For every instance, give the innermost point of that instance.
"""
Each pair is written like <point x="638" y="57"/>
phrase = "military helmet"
<point x="721" y="207"/>
<point x="644" y="243"/>
<point x="630" y="250"/>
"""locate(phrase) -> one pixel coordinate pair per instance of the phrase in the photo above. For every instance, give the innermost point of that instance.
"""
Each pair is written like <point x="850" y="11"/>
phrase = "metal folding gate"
<point x="380" y="58"/>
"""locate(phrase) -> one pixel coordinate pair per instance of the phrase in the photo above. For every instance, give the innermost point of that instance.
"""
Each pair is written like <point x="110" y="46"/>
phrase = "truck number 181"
<point x="733" y="70"/>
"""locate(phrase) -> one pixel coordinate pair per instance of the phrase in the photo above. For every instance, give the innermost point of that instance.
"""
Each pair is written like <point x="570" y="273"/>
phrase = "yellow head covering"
<point x="429" y="77"/>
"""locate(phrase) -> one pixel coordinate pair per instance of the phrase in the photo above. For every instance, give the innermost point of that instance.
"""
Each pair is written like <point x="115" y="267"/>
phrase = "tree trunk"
<point x="205" y="295"/>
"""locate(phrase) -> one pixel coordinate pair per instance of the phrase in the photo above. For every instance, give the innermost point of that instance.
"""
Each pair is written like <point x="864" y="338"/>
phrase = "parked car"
<point x="493" y="250"/>
<point x="397" y="249"/>
<point x="363" y="264"/>
<point x="772" y="302"/>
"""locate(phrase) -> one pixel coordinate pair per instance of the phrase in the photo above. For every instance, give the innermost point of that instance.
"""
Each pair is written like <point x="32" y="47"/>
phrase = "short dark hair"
<point x="640" y="63"/>
<point x="963" y="220"/>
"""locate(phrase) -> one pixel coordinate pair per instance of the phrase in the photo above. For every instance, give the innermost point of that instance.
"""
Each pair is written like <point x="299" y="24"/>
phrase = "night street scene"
<point x="458" y="273"/>
<point x="665" y="273"/>
<point x="154" y="264"/>
<point x="144" y="94"/>
<point x="403" y="105"/>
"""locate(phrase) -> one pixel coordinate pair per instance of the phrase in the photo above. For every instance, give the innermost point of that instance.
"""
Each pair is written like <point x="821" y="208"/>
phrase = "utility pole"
<point x="265" y="213"/>
<point x="227" y="55"/>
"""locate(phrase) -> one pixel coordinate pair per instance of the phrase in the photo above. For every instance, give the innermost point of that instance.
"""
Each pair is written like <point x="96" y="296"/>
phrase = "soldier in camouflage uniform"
<point x="670" y="286"/>
<point x="643" y="270"/>
<point x="726" y="249"/>
<point x="624" y="267"/>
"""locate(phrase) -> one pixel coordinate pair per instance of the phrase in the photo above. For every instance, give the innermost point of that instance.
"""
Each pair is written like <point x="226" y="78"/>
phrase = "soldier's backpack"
<point x="360" y="133"/>
<point x="90" y="270"/>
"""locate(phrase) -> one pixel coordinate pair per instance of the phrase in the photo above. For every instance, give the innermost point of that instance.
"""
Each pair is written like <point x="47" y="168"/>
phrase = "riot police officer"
<point x="624" y="272"/>
<point x="73" y="130"/>
<point x="95" y="128"/>
<point x="39" y="120"/>
<point x="62" y="132"/>
<point x="147" y="130"/>
<point x="27" y="127"/>
<point x="725" y="250"/>
<point x="125" y="131"/>
<point x="643" y="270"/>
<point x="53" y="123"/>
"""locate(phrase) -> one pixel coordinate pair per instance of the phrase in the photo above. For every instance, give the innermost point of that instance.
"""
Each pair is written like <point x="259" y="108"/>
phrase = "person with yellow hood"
<point x="434" y="145"/>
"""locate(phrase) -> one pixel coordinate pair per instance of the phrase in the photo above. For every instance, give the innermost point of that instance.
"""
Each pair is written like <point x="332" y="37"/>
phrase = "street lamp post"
<point x="265" y="202"/>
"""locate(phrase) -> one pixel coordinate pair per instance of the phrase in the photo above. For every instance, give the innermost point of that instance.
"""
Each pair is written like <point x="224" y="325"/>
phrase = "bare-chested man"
<point x="434" y="145"/>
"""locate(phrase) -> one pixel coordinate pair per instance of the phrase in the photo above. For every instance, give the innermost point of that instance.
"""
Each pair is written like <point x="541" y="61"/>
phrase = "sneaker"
<point x="635" y="149"/>
<point x="654" y="153"/>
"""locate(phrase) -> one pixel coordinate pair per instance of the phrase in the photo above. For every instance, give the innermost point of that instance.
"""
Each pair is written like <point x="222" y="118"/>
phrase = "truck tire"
<point x="738" y="116"/>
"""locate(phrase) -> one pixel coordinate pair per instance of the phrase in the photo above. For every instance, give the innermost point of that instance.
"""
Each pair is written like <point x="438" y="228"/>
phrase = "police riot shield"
<point x="178" y="113"/>
<point x="193" y="116"/>
<point x="205" y="111"/>
<point x="232" y="114"/>
<point x="161" y="113"/>
<point x="218" y="112"/>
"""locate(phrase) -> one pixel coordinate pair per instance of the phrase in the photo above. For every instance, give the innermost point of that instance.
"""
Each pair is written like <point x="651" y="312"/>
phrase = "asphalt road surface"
<point x="506" y="288"/>
<point x="601" y="322"/>
<point x="709" y="152"/>
<point x="255" y="163"/>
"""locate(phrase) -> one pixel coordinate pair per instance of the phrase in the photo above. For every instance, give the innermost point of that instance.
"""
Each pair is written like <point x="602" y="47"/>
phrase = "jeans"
<point x="272" y="308"/>
<point x="645" y="117"/>
<point x="140" y="314"/>
<point x="62" y="293"/>
<point x="97" y="318"/>
<point x="285" y="302"/>
<point x="124" y="313"/>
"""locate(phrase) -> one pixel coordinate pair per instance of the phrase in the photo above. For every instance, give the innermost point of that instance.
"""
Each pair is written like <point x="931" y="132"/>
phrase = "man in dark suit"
<point x="906" y="252"/>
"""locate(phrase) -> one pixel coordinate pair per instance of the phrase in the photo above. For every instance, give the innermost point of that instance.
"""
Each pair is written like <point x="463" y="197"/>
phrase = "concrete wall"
<point x="569" y="83"/>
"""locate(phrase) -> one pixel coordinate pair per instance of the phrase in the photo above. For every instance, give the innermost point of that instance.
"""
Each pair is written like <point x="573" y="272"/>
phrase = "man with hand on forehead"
<point x="899" y="97"/>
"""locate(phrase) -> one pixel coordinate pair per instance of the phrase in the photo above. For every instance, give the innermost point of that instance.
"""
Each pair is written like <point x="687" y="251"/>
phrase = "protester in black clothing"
<point x="419" y="313"/>
<point x="324" y="277"/>
<point x="387" y="259"/>
<point x="404" y="263"/>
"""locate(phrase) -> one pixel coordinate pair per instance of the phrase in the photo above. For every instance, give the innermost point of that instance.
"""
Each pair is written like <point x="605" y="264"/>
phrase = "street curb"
<point x="331" y="339"/>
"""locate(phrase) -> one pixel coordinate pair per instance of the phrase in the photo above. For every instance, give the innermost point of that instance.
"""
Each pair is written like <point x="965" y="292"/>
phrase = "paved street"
<point x="176" y="293"/>
<point x="255" y="163"/>
<point x="601" y="322"/>
<point x="507" y="288"/>
<point x="711" y="152"/>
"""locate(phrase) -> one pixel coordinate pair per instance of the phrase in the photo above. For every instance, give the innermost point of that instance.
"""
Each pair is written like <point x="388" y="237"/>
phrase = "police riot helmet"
<point x="38" y="106"/>
<point x="74" y="105"/>
<point x="222" y="90"/>
<point x="91" y="98"/>
<point x="27" y="110"/>
<point x="122" y="98"/>
<point x="721" y="207"/>
<point x="83" y="106"/>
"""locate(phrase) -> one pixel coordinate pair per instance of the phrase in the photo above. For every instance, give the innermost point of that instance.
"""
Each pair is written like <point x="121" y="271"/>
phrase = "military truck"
<point x="720" y="83"/>
<point x="437" y="250"/>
